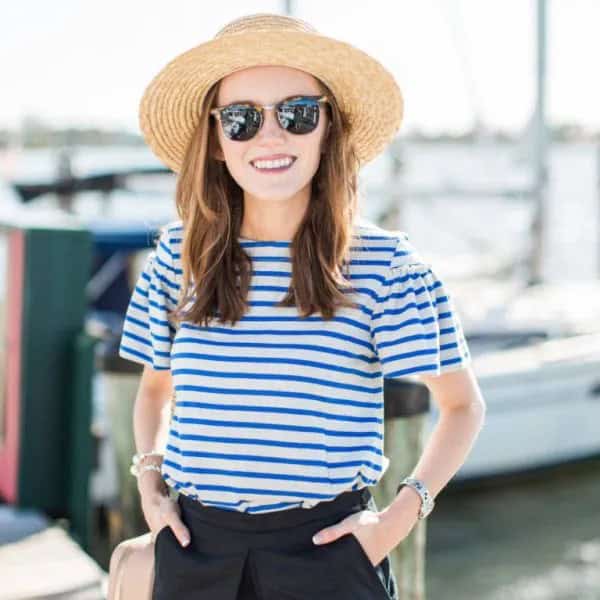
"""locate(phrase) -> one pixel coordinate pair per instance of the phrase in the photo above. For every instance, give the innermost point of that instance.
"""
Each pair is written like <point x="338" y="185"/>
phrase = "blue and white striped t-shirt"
<point x="279" y="411"/>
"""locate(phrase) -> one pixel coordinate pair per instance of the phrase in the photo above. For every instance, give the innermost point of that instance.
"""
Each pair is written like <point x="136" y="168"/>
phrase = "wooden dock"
<point x="49" y="565"/>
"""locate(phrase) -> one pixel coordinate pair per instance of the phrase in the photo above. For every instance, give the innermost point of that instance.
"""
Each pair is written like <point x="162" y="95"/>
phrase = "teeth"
<point x="273" y="164"/>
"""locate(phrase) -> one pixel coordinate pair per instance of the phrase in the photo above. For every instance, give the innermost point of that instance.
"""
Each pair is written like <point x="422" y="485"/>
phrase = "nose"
<point x="270" y="127"/>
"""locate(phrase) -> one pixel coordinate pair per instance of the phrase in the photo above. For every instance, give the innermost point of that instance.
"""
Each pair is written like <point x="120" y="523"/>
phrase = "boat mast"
<point x="288" y="7"/>
<point x="540" y="190"/>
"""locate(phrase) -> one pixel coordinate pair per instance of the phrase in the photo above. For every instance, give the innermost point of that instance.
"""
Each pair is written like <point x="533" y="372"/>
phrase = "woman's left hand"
<point x="370" y="531"/>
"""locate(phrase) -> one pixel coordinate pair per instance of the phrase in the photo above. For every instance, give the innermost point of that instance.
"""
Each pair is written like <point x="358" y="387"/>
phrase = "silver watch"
<point x="427" y="502"/>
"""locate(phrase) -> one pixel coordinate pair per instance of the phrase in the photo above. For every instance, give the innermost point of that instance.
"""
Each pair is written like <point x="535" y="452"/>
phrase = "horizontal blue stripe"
<point x="249" y="490"/>
<point x="289" y="332"/>
<point x="278" y="410"/>
<point x="271" y="459"/>
<point x="272" y="360"/>
<point x="403" y="324"/>
<point x="360" y="307"/>
<point x="404" y="308"/>
<point x="407" y="290"/>
<point x="256" y="474"/>
<point x="230" y="505"/>
<point x="405" y="355"/>
<point x="146" y="341"/>
<point x="298" y="320"/>
<point x="369" y="359"/>
<point x="408" y="338"/>
<point x="278" y="394"/>
<point x="277" y="377"/>
<point x="420" y="368"/>
<point x="140" y="355"/>
<point x="169" y="267"/>
<point x="275" y="443"/>
<point x="275" y="427"/>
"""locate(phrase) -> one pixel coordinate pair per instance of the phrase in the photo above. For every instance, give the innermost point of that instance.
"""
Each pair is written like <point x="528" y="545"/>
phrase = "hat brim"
<point x="365" y="91"/>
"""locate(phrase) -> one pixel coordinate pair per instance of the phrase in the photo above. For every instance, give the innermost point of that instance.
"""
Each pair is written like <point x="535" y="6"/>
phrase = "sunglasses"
<point x="297" y="114"/>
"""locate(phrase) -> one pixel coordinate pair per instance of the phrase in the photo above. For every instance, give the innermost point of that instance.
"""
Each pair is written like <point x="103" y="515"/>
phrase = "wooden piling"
<point x="406" y="414"/>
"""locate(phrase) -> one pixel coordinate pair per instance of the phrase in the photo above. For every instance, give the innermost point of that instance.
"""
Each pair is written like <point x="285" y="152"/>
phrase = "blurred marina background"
<point x="495" y="176"/>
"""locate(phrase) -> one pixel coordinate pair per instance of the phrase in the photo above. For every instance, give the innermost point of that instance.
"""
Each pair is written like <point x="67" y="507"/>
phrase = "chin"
<point x="274" y="192"/>
<point x="273" y="195"/>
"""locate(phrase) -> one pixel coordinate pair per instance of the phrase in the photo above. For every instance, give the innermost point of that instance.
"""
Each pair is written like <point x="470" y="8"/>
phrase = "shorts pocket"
<point x="375" y="573"/>
<point x="157" y="539"/>
<point x="160" y="532"/>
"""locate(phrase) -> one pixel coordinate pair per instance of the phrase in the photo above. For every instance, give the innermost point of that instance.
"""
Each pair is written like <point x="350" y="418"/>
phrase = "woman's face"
<point x="269" y="85"/>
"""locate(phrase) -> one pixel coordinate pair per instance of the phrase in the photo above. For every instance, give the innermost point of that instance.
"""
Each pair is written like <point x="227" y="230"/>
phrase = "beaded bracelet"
<point x="137" y="470"/>
<point x="140" y="456"/>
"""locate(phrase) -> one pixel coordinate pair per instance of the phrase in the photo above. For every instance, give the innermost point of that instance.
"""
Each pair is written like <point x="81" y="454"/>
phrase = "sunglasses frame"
<point x="216" y="112"/>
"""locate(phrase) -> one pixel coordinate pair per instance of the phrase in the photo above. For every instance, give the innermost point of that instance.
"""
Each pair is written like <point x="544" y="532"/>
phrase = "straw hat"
<point x="365" y="91"/>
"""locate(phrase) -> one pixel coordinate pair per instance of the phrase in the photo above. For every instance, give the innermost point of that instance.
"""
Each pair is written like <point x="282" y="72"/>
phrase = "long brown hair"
<point x="209" y="203"/>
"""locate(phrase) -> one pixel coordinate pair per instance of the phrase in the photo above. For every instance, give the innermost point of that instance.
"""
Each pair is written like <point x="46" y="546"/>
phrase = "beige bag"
<point x="131" y="569"/>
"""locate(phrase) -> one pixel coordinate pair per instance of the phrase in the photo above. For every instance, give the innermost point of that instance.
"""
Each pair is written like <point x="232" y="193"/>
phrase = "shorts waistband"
<point x="344" y="502"/>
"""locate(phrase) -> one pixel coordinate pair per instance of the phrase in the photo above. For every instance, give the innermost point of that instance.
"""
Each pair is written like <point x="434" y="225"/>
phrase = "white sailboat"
<point x="535" y="345"/>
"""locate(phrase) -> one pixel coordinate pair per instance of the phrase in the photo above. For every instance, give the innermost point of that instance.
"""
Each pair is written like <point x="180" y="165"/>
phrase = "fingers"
<point x="179" y="529"/>
<point x="172" y="516"/>
<point x="329" y="534"/>
<point x="337" y="530"/>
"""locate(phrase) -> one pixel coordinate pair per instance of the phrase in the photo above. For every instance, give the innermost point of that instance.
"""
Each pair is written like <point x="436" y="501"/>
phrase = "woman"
<point x="294" y="310"/>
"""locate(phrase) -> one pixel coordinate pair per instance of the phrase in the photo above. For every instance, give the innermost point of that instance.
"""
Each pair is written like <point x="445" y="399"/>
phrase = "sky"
<point x="83" y="63"/>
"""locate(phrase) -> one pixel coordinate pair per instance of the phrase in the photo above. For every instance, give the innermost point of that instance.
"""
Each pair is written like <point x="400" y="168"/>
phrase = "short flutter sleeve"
<point x="415" y="325"/>
<point x="147" y="331"/>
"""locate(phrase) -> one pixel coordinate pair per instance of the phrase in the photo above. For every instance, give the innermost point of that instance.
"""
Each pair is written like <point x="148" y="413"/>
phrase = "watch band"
<point x="427" y="501"/>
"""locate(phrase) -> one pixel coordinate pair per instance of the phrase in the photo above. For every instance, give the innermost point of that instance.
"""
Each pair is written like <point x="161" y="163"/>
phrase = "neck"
<point x="273" y="219"/>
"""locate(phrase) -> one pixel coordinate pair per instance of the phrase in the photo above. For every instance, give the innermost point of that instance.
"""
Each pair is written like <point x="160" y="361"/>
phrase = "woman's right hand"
<point x="159" y="509"/>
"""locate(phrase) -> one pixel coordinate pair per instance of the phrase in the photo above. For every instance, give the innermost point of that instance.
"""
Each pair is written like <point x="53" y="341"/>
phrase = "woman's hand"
<point x="371" y="531"/>
<point x="159" y="509"/>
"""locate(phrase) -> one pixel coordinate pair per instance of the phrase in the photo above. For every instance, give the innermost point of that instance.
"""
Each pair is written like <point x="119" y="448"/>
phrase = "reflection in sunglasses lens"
<point x="298" y="116"/>
<point x="240" y="123"/>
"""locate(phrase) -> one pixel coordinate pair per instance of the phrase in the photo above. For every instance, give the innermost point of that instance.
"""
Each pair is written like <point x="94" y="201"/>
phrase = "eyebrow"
<point x="276" y="102"/>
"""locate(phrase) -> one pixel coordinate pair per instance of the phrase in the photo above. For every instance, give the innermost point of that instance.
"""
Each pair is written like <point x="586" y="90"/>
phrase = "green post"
<point x="81" y="443"/>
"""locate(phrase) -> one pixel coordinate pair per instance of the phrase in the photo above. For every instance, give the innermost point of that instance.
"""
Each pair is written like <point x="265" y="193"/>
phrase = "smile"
<point x="273" y="166"/>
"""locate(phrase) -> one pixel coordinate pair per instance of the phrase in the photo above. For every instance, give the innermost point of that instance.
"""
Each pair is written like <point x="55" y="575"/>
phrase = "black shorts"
<point x="269" y="556"/>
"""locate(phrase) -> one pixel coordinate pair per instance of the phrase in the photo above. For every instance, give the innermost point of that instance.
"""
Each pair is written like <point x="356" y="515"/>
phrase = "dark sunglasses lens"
<point x="300" y="115"/>
<point x="240" y="123"/>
